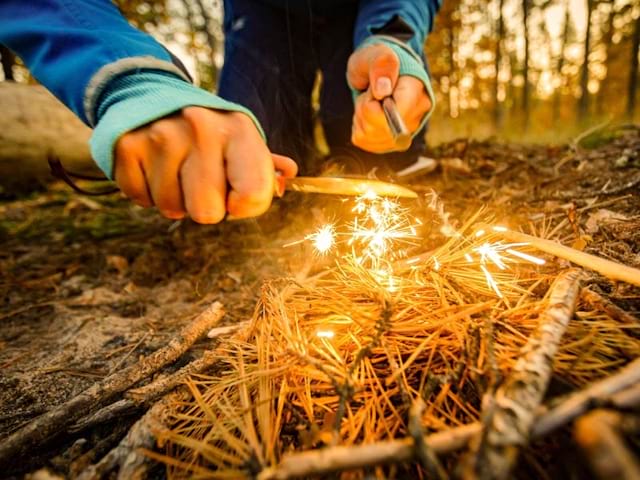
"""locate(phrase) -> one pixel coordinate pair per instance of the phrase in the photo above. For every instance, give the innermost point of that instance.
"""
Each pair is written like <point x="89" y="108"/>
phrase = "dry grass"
<point x="341" y="357"/>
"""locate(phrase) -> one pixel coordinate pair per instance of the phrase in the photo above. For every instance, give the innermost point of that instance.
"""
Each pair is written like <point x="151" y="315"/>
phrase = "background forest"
<point x="538" y="70"/>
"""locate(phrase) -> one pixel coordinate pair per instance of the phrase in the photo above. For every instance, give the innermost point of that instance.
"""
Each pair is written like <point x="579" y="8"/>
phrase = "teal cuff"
<point x="140" y="97"/>
<point x="410" y="64"/>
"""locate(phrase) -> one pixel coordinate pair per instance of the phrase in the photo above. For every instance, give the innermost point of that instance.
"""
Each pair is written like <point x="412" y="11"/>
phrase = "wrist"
<point x="138" y="98"/>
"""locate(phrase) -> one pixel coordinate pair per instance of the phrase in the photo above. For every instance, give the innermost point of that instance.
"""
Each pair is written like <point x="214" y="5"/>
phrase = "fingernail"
<point x="383" y="87"/>
<point x="173" y="215"/>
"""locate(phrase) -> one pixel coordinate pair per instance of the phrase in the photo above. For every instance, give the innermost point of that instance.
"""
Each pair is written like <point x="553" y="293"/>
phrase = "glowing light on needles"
<point x="436" y="264"/>
<point x="492" y="253"/>
<point x="325" y="334"/>
<point x="526" y="256"/>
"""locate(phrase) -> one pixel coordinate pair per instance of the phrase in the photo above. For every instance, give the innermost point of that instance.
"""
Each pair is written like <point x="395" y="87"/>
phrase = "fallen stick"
<point x="101" y="448"/>
<point x="579" y="402"/>
<point x="598" y="434"/>
<point x="142" y="435"/>
<point x="333" y="459"/>
<point x="515" y="402"/>
<point x="147" y="394"/>
<point x="629" y="398"/>
<point x="598" y="301"/>
<point x="612" y="270"/>
<point x="56" y="420"/>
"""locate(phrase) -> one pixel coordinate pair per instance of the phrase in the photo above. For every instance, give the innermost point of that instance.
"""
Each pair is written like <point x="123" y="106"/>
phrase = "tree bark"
<point x="633" y="72"/>
<point x="34" y="125"/>
<point x="525" y="68"/>
<point x="497" y="111"/>
<point x="607" y="40"/>
<point x="557" y="95"/>
<point x="583" y="104"/>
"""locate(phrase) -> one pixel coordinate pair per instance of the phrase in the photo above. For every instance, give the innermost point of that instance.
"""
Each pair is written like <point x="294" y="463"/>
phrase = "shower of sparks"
<point x="381" y="231"/>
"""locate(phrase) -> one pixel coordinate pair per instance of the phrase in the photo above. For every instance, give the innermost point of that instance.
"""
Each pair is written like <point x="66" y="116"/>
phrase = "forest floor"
<point x="91" y="285"/>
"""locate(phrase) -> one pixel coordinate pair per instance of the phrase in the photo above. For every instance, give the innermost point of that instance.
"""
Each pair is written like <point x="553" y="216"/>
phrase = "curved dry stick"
<point x="59" y="418"/>
<point x="578" y="403"/>
<point x="612" y="270"/>
<point x="331" y="459"/>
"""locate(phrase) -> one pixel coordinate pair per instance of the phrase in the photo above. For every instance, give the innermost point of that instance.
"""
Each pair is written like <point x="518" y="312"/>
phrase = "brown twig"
<point x="56" y="420"/>
<point x="147" y="394"/>
<point x="427" y="457"/>
<point x="598" y="434"/>
<point x="127" y="454"/>
<point x="518" y="397"/>
<point x="318" y="462"/>
<point x="598" y="301"/>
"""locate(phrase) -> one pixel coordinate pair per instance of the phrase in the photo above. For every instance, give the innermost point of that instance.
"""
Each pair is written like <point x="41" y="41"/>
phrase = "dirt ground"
<point x="90" y="285"/>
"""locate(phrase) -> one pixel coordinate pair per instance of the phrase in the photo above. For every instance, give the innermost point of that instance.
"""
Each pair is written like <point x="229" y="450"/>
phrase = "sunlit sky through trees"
<point x="462" y="53"/>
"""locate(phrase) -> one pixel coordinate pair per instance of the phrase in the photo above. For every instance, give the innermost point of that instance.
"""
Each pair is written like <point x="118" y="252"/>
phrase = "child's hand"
<point x="200" y="162"/>
<point x="374" y="70"/>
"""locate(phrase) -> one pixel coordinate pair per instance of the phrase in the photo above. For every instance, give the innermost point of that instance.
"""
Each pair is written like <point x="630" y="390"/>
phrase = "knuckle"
<point x="125" y="147"/>
<point x="240" y="123"/>
<point x="161" y="132"/>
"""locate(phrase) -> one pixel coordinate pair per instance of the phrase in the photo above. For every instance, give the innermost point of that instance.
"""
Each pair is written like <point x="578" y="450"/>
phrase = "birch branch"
<point x="579" y="402"/>
<point x="60" y="417"/>
<point x="333" y="459"/>
<point x="598" y="301"/>
<point x="513" y="408"/>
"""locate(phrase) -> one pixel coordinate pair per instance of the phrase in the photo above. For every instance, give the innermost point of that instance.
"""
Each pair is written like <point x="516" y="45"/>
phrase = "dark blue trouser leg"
<point x="268" y="69"/>
<point x="334" y="47"/>
<point x="271" y="58"/>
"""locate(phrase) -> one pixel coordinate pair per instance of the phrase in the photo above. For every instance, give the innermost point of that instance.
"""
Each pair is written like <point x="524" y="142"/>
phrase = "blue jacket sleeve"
<point x="74" y="47"/>
<point x="418" y="15"/>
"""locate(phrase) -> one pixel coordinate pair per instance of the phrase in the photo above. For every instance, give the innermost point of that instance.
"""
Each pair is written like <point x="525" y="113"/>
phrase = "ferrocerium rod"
<point x="401" y="134"/>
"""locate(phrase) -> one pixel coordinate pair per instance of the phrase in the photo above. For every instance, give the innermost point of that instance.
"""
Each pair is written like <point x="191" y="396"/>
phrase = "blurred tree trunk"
<point x="557" y="95"/>
<point x="8" y="61"/>
<point x="211" y="39"/>
<point x="633" y="72"/>
<point x="453" y="74"/>
<point x="525" y="68"/>
<point x="607" y="40"/>
<point x="497" y="110"/>
<point x="34" y="125"/>
<point x="583" y="104"/>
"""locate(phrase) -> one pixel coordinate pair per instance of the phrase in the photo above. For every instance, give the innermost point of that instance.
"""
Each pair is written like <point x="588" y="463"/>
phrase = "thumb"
<point x="375" y="66"/>
<point x="285" y="168"/>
